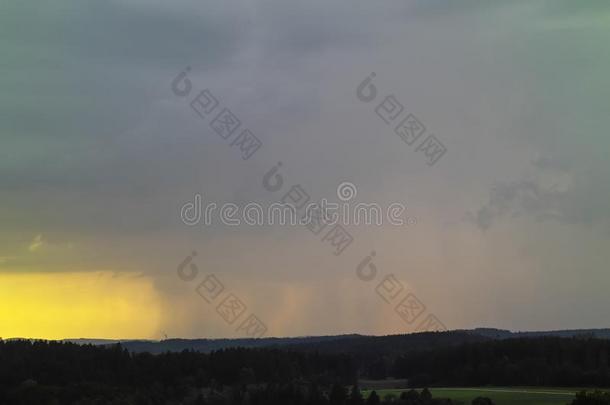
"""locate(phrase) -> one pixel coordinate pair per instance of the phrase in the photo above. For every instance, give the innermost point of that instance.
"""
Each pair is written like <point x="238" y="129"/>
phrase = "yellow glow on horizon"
<point x="72" y="305"/>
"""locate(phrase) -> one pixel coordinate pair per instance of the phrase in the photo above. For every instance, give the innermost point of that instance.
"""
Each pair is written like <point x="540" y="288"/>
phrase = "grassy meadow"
<point x="500" y="395"/>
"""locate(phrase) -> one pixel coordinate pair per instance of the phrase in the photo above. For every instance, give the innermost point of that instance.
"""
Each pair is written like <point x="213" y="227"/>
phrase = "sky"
<point x="510" y="228"/>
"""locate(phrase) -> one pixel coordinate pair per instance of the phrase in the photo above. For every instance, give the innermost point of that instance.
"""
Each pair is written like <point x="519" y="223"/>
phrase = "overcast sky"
<point x="509" y="229"/>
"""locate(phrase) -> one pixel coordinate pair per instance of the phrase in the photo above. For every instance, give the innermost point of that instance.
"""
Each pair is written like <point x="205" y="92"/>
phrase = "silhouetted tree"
<point x="592" y="398"/>
<point x="482" y="401"/>
<point x="373" y="399"/>
<point x="338" y="395"/>
<point x="425" y="397"/>
<point x="355" y="397"/>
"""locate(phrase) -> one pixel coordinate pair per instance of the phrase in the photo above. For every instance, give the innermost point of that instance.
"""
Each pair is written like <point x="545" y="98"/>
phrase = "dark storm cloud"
<point x="98" y="154"/>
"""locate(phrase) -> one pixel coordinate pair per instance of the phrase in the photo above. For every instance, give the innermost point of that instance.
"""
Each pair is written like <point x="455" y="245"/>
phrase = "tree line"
<point x="57" y="373"/>
<point x="546" y="361"/>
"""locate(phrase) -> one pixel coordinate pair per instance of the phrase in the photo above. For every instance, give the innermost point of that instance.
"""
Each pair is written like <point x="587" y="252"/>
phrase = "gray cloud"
<point x="582" y="200"/>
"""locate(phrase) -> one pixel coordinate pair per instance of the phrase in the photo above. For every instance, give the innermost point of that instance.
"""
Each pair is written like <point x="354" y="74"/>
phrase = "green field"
<point x="500" y="395"/>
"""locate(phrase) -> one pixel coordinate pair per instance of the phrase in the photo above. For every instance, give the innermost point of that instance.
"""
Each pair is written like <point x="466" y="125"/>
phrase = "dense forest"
<point x="42" y="372"/>
<point x="546" y="361"/>
<point x="36" y="371"/>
